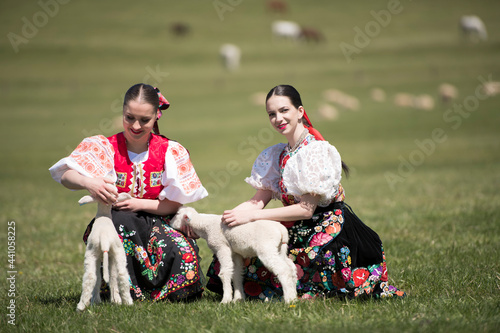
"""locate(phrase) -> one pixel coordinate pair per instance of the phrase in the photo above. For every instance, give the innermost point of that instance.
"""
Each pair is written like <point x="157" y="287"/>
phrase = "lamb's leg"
<point x="113" y="279"/>
<point x="226" y="273"/>
<point x="292" y="269"/>
<point x="239" y="293"/>
<point x="96" y="293"/>
<point x="89" y="280"/>
<point x="122" y="276"/>
<point x="280" y="266"/>
<point x="292" y="276"/>
<point x="291" y="294"/>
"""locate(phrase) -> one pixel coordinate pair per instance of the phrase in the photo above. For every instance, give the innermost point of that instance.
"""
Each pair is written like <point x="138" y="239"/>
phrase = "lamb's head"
<point x="183" y="217"/>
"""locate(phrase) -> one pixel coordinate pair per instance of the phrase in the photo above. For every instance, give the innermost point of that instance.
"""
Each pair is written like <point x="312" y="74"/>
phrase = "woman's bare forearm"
<point x="73" y="180"/>
<point x="160" y="207"/>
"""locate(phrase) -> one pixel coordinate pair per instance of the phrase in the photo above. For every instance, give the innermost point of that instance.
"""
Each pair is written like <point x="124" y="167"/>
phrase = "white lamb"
<point x="267" y="240"/>
<point x="102" y="240"/>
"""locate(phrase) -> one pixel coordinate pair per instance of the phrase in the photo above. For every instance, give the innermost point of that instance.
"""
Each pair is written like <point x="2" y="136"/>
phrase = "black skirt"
<point x="335" y="253"/>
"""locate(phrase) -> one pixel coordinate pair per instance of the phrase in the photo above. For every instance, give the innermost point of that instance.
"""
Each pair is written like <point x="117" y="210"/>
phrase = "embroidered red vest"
<point x="146" y="177"/>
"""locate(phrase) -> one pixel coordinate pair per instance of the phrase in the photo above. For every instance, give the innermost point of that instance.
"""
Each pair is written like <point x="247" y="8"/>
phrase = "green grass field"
<point x="427" y="181"/>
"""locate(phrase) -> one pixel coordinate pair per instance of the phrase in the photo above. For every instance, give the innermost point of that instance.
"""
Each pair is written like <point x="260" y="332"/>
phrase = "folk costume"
<point x="335" y="253"/>
<point x="161" y="261"/>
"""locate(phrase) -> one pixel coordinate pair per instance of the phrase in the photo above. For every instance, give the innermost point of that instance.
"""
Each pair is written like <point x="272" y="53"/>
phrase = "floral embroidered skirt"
<point x="161" y="261"/>
<point x="336" y="255"/>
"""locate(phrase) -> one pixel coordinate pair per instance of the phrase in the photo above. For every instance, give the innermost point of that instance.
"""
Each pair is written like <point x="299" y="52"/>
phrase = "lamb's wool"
<point x="265" y="239"/>
<point x="104" y="245"/>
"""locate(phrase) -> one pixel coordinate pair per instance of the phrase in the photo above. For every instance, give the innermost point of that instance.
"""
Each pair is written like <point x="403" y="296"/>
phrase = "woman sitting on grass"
<point x="336" y="254"/>
<point x="158" y="174"/>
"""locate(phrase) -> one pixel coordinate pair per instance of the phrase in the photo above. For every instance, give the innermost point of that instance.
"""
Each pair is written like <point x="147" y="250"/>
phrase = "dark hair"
<point x="294" y="96"/>
<point x="143" y="93"/>
<point x="287" y="91"/>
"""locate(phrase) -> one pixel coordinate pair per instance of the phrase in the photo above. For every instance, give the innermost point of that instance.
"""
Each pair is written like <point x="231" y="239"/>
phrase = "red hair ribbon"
<point x="311" y="129"/>
<point x="164" y="104"/>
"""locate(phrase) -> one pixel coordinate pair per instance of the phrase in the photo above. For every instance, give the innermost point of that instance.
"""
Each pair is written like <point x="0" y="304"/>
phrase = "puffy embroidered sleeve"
<point x="94" y="157"/>
<point x="266" y="170"/>
<point x="315" y="169"/>
<point x="180" y="181"/>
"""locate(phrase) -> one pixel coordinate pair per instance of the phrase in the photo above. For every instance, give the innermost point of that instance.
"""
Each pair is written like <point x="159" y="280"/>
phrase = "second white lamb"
<point x="267" y="240"/>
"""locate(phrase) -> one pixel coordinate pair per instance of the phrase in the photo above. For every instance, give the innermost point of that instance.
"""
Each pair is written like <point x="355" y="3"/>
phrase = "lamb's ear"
<point x="85" y="200"/>
<point x="186" y="218"/>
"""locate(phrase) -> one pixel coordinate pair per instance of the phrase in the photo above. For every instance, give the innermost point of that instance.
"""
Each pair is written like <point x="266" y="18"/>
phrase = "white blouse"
<point x="98" y="161"/>
<point x="315" y="168"/>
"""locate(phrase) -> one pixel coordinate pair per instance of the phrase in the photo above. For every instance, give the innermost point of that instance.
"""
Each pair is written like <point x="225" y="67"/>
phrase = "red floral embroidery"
<point x="252" y="288"/>
<point x="300" y="272"/>
<point x="155" y="294"/>
<point x="263" y="273"/>
<point x="346" y="274"/>
<point x="337" y="280"/>
<point x="384" y="277"/>
<point x="360" y="275"/>
<point x="188" y="257"/>
<point x="320" y="239"/>
<point x="303" y="259"/>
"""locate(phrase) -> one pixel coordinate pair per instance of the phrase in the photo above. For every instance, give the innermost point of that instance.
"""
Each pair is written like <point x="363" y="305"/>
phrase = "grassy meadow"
<point x="427" y="181"/>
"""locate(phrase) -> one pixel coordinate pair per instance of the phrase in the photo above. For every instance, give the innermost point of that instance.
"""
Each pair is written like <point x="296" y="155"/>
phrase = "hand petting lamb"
<point x="267" y="240"/>
<point x="104" y="244"/>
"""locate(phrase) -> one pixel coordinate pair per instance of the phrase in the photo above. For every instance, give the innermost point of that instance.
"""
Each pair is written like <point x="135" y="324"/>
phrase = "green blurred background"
<point x="65" y="74"/>
<point x="74" y="63"/>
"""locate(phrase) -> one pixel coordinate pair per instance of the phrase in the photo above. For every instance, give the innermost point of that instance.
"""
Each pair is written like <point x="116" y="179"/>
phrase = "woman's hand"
<point x="236" y="217"/>
<point x="300" y="211"/>
<point x="102" y="189"/>
<point x="132" y="205"/>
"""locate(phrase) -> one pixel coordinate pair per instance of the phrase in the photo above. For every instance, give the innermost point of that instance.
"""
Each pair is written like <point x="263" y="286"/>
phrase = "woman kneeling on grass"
<point x="335" y="253"/>
<point x="158" y="174"/>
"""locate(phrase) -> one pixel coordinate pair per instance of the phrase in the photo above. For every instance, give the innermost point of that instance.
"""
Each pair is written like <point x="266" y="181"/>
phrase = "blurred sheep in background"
<point x="179" y="29"/>
<point x="277" y="6"/>
<point x="473" y="28"/>
<point x="403" y="100"/>
<point x="327" y="112"/>
<point x="447" y="93"/>
<point x="258" y="99"/>
<point x="378" y="95"/>
<point x="309" y="34"/>
<point x="341" y="99"/>
<point x="421" y="102"/>
<point x="491" y="88"/>
<point x="286" y="30"/>
<point x="231" y="56"/>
